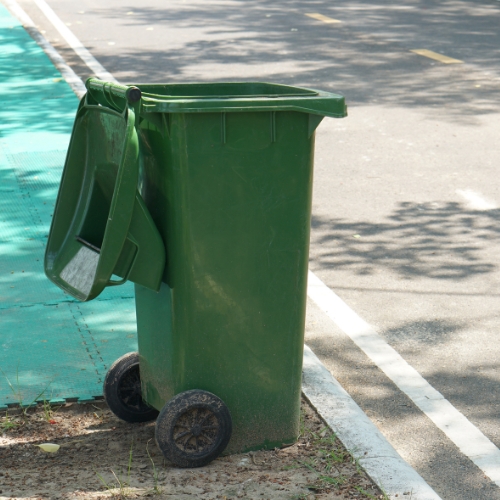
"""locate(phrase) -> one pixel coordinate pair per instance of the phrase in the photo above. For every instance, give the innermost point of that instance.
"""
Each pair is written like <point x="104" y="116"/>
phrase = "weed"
<point x="291" y="467"/>
<point x="385" y="496"/>
<point x="325" y="481"/>
<point x="129" y="462"/>
<point x="33" y="402"/>
<point x="371" y="497"/>
<point x="156" y="489"/>
<point x="337" y="481"/>
<point x="309" y="465"/>
<point x="18" y="393"/>
<point x="120" y="484"/>
<point x="105" y="484"/>
<point x="48" y="410"/>
<point x="302" y="423"/>
<point x="318" y="436"/>
<point x="7" y="423"/>
<point x="355" y="461"/>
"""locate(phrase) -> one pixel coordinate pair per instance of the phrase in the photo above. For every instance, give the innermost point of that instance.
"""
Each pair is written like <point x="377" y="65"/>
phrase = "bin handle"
<point x="110" y="91"/>
<point x="127" y="274"/>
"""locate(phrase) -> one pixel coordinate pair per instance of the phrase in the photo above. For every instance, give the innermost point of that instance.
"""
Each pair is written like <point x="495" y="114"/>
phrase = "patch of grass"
<point x="328" y="462"/>
<point x="323" y="480"/>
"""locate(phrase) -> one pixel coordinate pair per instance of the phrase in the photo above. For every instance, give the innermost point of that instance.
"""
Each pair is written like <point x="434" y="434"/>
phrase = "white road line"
<point x="68" y="74"/>
<point x="359" y="435"/>
<point x="468" y="438"/>
<point x="475" y="200"/>
<point x="74" y="43"/>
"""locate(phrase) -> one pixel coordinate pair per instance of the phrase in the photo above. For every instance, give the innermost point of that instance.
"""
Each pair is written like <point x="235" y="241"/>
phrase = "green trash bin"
<point x="201" y="195"/>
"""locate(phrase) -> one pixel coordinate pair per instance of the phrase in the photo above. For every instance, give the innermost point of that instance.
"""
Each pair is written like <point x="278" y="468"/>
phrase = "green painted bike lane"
<point x="51" y="347"/>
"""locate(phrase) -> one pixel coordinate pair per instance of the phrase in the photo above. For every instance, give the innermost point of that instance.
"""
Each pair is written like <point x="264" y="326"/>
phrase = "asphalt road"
<point x="405" y="222"/>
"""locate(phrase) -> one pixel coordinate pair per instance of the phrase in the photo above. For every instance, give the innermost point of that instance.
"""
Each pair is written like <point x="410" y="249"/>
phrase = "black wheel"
<point x="193" y="428"/>
<point x="122" y="390"/>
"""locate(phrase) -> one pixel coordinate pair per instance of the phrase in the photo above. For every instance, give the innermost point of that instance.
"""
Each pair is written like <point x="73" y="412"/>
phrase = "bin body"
<point x="231" y="196"/>
<point x="224" y="174"/>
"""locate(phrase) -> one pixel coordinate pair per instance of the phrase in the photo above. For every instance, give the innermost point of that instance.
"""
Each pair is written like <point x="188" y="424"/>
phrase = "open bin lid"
<point x="101" y="226"/>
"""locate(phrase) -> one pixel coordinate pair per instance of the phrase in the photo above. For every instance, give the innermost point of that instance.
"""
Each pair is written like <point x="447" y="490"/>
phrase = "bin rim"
<point x="284" y="90"/>
<point x="280" y="98"/>
<point x="299" y="99"/>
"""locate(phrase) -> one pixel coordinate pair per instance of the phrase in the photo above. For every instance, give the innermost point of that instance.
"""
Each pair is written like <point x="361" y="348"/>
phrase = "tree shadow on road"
<point x="438" y="241"/>
<point x="367" y="61"/>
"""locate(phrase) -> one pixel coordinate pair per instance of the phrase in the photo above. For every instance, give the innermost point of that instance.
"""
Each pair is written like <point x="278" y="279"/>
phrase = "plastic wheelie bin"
<point x="201" y="195"/>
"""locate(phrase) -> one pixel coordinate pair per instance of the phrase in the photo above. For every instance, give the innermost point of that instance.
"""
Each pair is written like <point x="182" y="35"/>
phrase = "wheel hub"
<point x="196" y="430"/>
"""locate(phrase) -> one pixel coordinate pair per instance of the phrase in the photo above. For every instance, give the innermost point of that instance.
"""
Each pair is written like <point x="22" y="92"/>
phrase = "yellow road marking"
<point x="325" y="19"/>
<point x="436" y="56"/>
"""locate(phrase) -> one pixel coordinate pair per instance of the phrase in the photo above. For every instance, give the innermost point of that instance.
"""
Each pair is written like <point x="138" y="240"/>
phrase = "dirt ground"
<point x="102" y="457"/>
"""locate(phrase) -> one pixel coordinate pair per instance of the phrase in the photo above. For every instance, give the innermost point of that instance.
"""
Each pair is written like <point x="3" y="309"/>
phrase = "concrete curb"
<point x="359" y="435"/>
